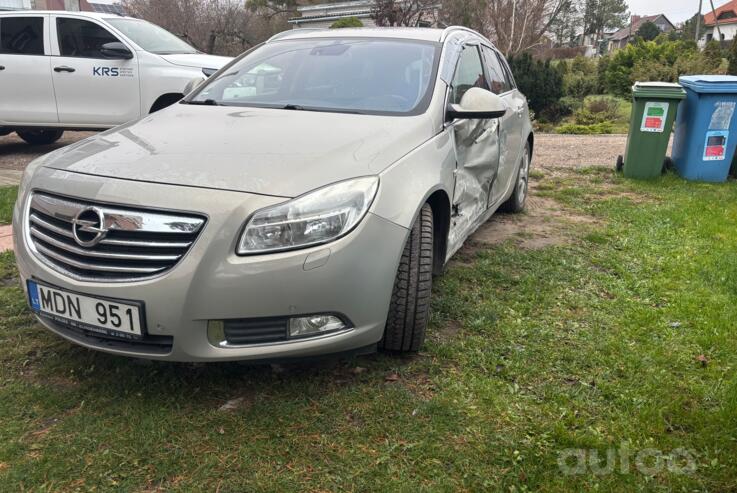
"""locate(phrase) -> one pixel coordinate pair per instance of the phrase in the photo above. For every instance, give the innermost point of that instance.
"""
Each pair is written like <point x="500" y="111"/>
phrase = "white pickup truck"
<point x="77" y="70"/>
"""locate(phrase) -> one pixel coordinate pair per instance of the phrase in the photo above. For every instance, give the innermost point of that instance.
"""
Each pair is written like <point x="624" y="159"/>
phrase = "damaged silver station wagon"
<point x="298" y="203"/>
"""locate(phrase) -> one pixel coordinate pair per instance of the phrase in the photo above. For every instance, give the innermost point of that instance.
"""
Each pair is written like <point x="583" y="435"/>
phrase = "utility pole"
<point x="698" y="20"/>
<point x="716" y="20"/>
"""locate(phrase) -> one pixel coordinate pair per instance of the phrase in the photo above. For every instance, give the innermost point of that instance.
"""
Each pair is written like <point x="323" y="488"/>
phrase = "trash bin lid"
<point x="660" y="90"/>
<point x="726" y="84"/>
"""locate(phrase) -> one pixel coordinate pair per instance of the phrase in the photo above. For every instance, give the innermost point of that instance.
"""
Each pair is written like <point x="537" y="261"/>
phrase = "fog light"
<point x="314" y="325"/>
<point x="216" y="332"/>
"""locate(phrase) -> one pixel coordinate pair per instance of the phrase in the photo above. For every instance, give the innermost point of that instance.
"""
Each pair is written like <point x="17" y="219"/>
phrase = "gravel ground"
<point x="578" y="150"/>
<point x="551" y="149"/>
<point x="15" y="154"/>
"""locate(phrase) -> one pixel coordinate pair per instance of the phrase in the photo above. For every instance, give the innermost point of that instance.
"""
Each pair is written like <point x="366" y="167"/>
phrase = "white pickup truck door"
<point x="91" y="89"/>
<point x="27" y="95"/>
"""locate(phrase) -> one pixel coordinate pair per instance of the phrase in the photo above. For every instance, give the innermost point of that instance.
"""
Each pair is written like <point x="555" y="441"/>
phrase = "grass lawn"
<point x="7" y="199"/>
<point x="622" y="338"/>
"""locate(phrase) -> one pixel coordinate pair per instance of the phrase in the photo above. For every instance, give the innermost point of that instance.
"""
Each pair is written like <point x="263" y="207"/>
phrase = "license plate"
<point x="112" y="317"/>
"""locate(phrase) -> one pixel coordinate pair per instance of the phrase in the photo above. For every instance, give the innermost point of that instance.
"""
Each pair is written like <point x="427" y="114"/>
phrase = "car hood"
<point x="265" y="151"/>
<point x="199" y="60"/>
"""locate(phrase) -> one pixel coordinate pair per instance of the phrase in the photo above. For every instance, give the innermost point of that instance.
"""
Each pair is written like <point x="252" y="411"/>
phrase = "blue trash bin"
<point x="706" y="129"/>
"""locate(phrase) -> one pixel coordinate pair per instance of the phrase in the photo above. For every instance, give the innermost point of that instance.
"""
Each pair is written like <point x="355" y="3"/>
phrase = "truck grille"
<point x="99" y="242"/>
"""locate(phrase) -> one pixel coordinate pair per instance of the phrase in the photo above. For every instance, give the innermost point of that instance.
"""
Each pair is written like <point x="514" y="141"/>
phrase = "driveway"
<point x="15" y="154"/>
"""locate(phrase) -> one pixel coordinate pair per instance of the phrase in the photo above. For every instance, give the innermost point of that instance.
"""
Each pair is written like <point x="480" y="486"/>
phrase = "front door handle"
<point x="64" y="68"/>
<point x="2" y="67"/>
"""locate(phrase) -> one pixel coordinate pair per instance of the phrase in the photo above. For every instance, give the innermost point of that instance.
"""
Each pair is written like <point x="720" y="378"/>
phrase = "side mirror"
<point x="193" y="84"/>
<point x="477" y="104"/>
<point x="116" y="51"/>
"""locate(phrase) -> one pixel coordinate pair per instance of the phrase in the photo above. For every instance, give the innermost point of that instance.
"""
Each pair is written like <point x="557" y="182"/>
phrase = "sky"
<point x="675" y="10"/>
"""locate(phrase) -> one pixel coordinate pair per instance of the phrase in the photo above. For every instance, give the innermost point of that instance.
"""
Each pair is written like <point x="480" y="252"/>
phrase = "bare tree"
<point x="468" y="13"/>
<point x="514" y="25"/>
<point x="411" y="13"/>
<point x="224" y="27"/>
<point x="519" y="25"/>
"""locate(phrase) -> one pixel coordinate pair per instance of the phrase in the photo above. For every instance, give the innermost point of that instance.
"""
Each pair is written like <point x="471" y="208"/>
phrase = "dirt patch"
<point x="448" y="332"/>
<point x="545" y="223"/>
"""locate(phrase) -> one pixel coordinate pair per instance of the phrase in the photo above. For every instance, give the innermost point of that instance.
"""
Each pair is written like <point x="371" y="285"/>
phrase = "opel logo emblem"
<point x="89" y="227"/>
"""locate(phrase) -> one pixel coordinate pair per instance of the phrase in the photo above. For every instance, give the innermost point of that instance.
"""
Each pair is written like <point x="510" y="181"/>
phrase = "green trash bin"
<point x="654" y="106"/>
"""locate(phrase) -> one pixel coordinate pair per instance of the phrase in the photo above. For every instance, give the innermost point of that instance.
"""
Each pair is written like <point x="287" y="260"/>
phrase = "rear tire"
<point x="40" y="137"/>
<point x="410" y="305"/>
<point x="517" y="201"/>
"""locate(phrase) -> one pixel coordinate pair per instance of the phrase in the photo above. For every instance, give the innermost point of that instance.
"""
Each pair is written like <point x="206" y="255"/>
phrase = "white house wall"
<point x="728" y="30"/>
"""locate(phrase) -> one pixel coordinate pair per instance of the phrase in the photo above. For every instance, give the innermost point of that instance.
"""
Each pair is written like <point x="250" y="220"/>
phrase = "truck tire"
<point x="516" y="202"/>
<point x="410" y="305"/>
<point x="40" y="137"/>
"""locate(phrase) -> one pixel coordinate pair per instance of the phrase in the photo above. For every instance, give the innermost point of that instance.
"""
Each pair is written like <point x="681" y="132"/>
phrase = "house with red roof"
<point x="726" y="18"/>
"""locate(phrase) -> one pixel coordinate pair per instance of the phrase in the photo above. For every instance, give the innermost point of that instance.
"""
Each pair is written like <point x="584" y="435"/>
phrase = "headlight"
<point x="317" y="217"/>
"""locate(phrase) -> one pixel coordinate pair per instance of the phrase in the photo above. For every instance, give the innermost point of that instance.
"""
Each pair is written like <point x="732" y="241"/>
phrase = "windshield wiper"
<point x="206" y="102"/>
<point x="297" y="107"/>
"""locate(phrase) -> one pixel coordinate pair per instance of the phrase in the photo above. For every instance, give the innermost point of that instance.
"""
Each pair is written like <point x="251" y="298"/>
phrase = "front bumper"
<point x="352" y="276"/>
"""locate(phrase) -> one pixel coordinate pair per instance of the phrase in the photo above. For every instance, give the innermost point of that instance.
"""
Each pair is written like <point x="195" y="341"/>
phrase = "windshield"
<point x="151" y="37"/>
<point x="376" y="76"/>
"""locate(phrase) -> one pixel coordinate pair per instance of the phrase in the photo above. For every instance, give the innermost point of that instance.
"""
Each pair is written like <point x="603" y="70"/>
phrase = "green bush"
<point x="653" y="70"/>
<point x="661" y="60"/>
<point x="583" y="65"/>
<point x="346" y="22"/>
<point x="712" y="55"/>
<point x="562" y="67"/>
<point x="579" y="85"/>
<point x="598" y="110"/>
<point x="540" y="81"/>
<point x="570" y="105"/>
<point x="601" y="71"/>
<point x="598" y="128"/>
<point x="554" y="112"/>
<point x="732" y="57"/>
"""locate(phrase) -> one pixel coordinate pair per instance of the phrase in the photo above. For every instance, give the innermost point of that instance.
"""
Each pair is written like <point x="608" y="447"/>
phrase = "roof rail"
<point x="450" y="29"/>
<point x="286" y="33"/>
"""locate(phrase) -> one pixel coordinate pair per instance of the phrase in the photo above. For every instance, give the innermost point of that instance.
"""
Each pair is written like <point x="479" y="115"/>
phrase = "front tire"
<point x="517" y="201"/>
<point x="40" y="137"/>
<point x="410" y="305"/>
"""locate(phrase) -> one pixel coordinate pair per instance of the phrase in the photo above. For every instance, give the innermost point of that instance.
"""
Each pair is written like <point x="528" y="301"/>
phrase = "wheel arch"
<point x="441" y="212"/>
<point x="165" y="100"/>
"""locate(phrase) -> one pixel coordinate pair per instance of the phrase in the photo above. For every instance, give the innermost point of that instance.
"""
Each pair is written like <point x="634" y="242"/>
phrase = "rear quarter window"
<point x="21" y="35"/>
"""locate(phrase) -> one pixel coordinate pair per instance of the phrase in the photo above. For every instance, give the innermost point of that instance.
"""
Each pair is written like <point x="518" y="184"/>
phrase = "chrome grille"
<point x="99" y="242"/>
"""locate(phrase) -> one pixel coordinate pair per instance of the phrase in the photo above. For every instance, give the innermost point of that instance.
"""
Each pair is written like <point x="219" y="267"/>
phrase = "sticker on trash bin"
<point x="715" y="148"/>
<point x="721" y="119"/>
<point x="654" y="118"/>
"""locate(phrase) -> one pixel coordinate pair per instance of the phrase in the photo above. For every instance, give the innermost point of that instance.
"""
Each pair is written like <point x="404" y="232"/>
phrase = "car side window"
<point x="22" y="35"/>
<point x="81" y="38"/>
<point x="507" y="72"/>
<point x="469" y="73"/>
<point x="499" y="82"/>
